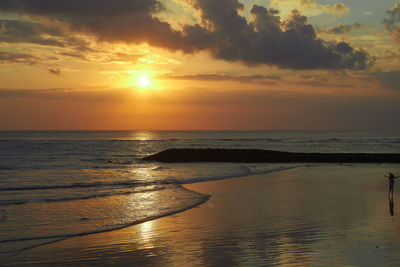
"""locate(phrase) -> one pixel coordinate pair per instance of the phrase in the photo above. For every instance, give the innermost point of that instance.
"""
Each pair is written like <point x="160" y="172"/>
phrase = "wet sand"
<point x="321" y="215"/>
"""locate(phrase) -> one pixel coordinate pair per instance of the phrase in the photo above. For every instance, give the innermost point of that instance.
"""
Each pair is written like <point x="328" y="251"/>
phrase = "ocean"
<point x="60" y="184"/>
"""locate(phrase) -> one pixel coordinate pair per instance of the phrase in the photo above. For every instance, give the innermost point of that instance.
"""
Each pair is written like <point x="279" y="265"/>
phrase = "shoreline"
<point x="286" y="217"/>
<point x="58" y="238"/>
<point x="43" y="241"/>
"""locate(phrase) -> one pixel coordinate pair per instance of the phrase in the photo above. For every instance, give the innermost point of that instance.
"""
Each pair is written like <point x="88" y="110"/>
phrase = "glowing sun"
<point x="144" y="82"/>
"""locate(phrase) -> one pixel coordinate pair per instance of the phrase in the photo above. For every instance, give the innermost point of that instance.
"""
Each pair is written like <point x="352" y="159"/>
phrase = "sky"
<point x="200" y="65"/>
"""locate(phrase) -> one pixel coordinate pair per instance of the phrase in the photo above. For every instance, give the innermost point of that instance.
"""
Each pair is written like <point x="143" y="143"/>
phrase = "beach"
<point x="199" y="133"/>
<point x="315" y="215"/>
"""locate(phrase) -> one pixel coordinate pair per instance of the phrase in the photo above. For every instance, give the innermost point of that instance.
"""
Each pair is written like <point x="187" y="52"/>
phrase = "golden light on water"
<point x="143" y="135"/>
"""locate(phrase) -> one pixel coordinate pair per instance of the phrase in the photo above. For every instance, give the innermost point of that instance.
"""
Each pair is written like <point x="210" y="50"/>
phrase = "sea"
<point x="56" y="185"/>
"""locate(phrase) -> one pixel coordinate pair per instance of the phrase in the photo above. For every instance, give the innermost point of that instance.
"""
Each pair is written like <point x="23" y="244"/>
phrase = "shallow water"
<point x="325" y="215"/>
<point x="58" y="184"/>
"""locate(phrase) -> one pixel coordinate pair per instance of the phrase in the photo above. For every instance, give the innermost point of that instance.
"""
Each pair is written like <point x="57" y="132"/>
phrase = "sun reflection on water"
<point x="143" y="136"/>
<point x="143" y="174"/>
<point x="146" y="232"/>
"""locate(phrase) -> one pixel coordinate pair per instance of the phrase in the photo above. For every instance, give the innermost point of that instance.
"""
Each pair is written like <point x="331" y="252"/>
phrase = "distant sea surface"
<point x="59" y="184"/>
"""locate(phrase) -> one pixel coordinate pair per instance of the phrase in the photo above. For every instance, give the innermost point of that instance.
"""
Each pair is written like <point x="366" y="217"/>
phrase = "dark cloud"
<point x="224" y="77"/>
<point x="117" y="20"/>
<point x="76" y="55"/>
<point x="346" y="28"/>
<point x="55" y="72"/>
<point x="10" y="57"/>
<point x="344" y="48"/>
<point x="322" y="82"/>
<point x="392" y="24"/>
<point x="78" y="9"/>
<point x="16" y="31"/>
<point x="265" y="39"/>
<point x="308" y="80"/>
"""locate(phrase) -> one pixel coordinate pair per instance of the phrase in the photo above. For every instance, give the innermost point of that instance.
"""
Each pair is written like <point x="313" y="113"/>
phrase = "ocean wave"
<point x="193" y="201"/>
<point x="238" y="175"/>
<point x="108" y="229"/>
<point x="243" y="170"/>
<point x="42" y="167"/>
<point x="247" y="139"/>
<point x="185" y="200"/>
<point x="86" y="185"/>
<point x="159" y="168"/>
<point x="9" y="202"/>
<point x="3" y="215"/>
<point x="24" y="201"/>
<point x="107" y="160"/>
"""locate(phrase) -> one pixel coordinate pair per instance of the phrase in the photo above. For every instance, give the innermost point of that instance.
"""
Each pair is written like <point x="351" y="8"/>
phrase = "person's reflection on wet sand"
<point x="391" y="178"/>
<point x="391" y="205"/>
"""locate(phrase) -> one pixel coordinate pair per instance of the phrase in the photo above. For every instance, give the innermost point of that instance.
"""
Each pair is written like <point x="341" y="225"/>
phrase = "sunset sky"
<point x="200" y="64"/>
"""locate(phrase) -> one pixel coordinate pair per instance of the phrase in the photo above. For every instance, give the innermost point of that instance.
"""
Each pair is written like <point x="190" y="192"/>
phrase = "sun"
<point x="144" y="82"/>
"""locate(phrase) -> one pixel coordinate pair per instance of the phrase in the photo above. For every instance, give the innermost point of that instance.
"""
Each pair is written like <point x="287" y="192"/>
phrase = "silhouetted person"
<point x="391" y="178"/>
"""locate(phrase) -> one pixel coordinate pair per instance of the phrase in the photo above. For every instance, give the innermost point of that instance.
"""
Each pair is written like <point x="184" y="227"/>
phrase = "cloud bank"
<point x="263" y="39"/>
<point x="347" y="28"/>
<point x="338" y="9"/>
<point x="9" y="57"/>
<point x="263" y="79"/>
<point x="266" y="39"/>
<point x="392" y="24"/>
<point x="109" y="20"/>
<point x="113" y="109"/>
